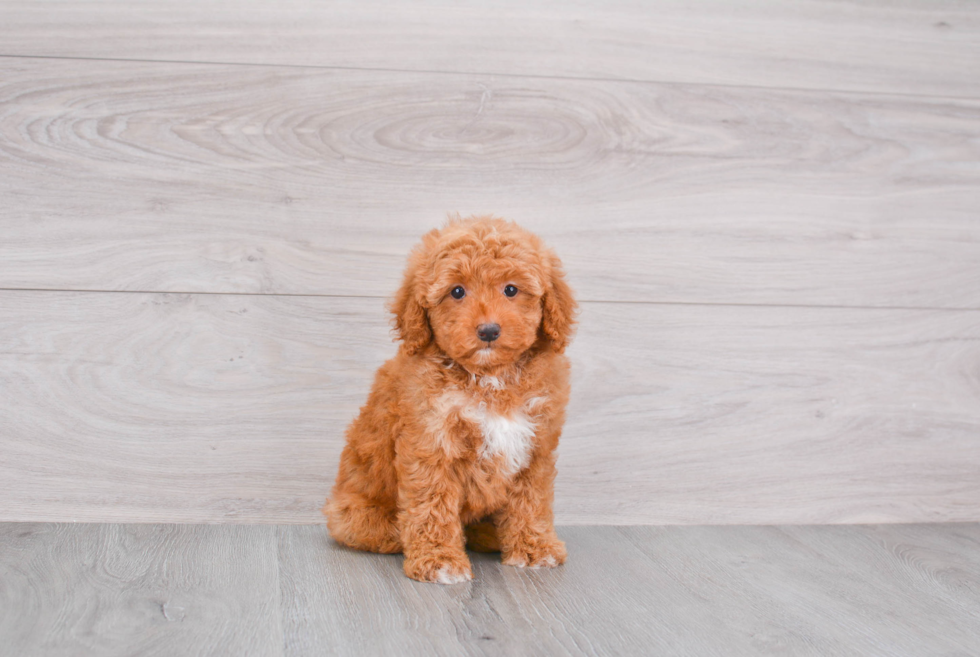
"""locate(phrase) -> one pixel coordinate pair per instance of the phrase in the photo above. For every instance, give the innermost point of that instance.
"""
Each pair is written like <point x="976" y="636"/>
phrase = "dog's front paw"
<point x="443" y="569"/>
<point x="537" y="552"/>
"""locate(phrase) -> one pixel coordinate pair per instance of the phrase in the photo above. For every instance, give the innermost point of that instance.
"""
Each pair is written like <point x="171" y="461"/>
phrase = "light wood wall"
<point x="772" y="217"/>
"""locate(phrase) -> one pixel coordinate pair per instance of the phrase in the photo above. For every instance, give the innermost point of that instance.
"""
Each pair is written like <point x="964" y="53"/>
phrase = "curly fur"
<point x="456" y="444"/>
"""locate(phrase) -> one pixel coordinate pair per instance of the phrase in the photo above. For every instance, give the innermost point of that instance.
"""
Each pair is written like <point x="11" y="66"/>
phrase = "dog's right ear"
<point x="411" y="322"/>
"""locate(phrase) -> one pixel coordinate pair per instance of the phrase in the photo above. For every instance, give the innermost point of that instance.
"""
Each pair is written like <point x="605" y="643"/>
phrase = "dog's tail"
<point x="482" y="537"/>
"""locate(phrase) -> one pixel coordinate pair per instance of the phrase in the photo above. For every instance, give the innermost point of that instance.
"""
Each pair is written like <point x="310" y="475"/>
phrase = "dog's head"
<point x="485" y="291"/>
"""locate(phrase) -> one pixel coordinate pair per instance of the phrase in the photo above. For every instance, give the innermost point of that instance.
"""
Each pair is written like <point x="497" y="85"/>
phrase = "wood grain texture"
<point x="138" y="590"/>
<point x="894" y="590"/>
<point x="800" y="342"/>
<point x="918" y="47"/>
<point x="224" y="408"/>
<point x="290" y="590"/>
<point x="609" y="599"/>
<point x="162" y="177"/>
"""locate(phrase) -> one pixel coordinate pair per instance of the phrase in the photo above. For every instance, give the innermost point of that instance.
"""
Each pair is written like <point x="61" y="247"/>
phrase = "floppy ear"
<point x="411" y="322"/>
<point x="558" y="308"/>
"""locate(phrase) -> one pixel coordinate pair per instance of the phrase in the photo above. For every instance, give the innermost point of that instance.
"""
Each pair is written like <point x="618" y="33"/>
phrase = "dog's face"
<point x="484" y="290"/>
<point x="485" y="311"/>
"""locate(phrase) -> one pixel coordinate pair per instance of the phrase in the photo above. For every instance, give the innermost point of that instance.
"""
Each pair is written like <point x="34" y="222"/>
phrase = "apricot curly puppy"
<point x="460" y="428"/>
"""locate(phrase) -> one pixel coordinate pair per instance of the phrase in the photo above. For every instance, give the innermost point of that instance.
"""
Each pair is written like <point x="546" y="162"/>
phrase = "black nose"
<point x="488" y="332"/>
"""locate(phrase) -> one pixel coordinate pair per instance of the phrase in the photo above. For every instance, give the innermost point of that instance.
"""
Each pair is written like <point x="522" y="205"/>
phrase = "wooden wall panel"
<point x="925" y="47"/>
<point x="769" y="209"/>
<point x="292" y="181"/>
<point x="230" y="408"/>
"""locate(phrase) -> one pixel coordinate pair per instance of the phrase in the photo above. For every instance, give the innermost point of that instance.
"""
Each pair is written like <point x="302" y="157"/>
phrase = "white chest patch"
<point x="510" y="436"/>
<point x="507" y="436"/>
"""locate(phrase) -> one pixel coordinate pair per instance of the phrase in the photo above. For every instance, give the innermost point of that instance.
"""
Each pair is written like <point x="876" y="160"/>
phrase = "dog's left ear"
<point x="558" y="307"/>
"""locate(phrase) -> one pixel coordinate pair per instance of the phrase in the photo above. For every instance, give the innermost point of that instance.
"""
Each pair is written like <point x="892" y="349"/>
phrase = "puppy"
<point x="455" y="447"/>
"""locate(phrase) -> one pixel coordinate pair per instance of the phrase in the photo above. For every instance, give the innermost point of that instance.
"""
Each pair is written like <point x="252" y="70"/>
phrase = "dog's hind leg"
<point x="363" y="524"/>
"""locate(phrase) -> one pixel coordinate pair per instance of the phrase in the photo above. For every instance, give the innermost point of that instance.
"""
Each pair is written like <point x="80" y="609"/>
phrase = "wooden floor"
<point x="99" y="589"/>
<point x="771" y="212"/>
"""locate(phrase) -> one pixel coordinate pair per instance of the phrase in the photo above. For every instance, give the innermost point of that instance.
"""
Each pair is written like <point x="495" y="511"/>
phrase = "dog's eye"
<point x="510" y="291"/>
<point x="458" y="292"/>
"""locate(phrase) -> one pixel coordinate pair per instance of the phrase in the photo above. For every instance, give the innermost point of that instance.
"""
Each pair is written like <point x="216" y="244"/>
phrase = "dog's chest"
<point x="508" y="436"/>
<point x="504" y="433"/>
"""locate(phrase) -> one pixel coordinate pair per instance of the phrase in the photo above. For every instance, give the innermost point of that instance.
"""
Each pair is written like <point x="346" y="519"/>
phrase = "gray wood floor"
<point x="770" y="210"/>
<point x="103" y="589"/>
